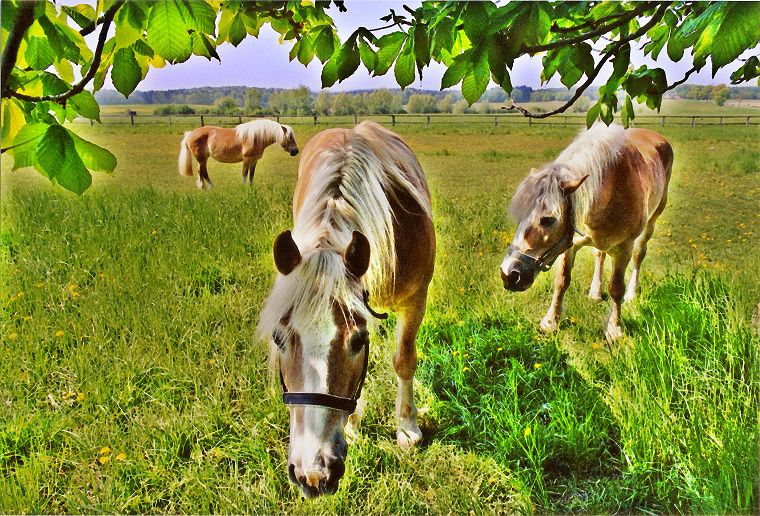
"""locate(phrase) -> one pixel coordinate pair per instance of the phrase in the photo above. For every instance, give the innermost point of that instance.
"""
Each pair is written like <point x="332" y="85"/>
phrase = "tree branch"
<point x="591" y="24"/>
<point x="598" y="68"/>
<point x="678" y="83"/>
<point x="108" y="17"/>
<point x="594" y="33"/>
<point x="24" y="19"/>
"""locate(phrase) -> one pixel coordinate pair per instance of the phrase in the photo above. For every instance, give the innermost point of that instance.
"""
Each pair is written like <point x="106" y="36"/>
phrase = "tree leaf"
<point x="456" y="71"/>
<point x="167" y="32"/>
<point x="592" y="115"/>
<point x="421" y="47"/>
<point x="202" y="17"/>
<point x="24" y="145"/>
<point x="368" y="56"/>
<point x="58" y="159"/>
<point x="737" y="33"/>
<point x="388" y="48"/>
<point x="404" y="69"/>
<point x="475" y="18"/>
<point x="324" y="44"/>
<point x="85" y="104"/>
<point x="347" y="60"/>
<point x="38" y="53"/>
<point x="237" y="31"/>
<point x="476" y="79"/>
<point x="330" y="73"/>
<point x="126" y="73"/>
<point x="93" y="156"/>
<point x="305" y="51"/>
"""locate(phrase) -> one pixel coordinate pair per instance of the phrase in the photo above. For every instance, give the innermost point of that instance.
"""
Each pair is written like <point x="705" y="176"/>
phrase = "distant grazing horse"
<point x="245" y="143"/>
<point x="609" y="186"/>
<point x="363" y="231"/>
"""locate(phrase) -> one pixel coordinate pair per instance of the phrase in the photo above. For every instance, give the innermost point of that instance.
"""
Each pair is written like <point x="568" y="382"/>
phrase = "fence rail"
<point x="425" y="119"/>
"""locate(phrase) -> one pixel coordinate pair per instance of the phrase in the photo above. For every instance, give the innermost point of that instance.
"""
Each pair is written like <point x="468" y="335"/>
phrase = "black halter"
<point x="331" y="401"/>
<point x="547" y="259"/>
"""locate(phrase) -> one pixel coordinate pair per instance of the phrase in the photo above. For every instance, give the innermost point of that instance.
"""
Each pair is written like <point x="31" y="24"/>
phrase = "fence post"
<point x="693" y="121"/>
<point x="393" y="120"/>
<point x="356" y="119"/>
<point x="721" y="120"/>
<point x="428" y="121"/>
<point x="240" y="119"/>
<point x="170" y="120"/>
<point x="461" y="119"/>
<point x="747" y="123"/>
<point x="496" y="121"/>
<point x="132" y="119"/>
<point x="530" y="121"/>
<point x="565" y="120"/>
<point x="315" y="119"/>
<point x="662" y="121"/>
<point x="202" y="122"/>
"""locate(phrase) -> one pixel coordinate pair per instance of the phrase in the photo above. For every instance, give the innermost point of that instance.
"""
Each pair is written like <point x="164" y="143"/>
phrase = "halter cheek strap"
<point x="331" y="401"/>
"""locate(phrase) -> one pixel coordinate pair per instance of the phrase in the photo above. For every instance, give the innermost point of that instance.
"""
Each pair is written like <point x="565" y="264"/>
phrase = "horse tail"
<point x="185" y="157"/>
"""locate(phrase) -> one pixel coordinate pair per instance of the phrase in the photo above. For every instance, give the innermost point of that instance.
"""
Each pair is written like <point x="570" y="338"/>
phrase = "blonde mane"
<point x="590" y="153"/>
<point x="351" y="189"/>
<point x="263" y="132"/>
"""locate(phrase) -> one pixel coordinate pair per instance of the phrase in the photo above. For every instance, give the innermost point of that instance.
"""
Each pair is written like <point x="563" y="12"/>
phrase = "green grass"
<point x="128" y="314"/>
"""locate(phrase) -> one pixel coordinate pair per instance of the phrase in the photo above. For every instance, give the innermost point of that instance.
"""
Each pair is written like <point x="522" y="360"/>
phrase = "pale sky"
<point x="263" y="62"/>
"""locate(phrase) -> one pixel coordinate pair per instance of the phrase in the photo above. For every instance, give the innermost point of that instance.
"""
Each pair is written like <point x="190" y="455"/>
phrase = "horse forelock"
<point x="539" y="190"/>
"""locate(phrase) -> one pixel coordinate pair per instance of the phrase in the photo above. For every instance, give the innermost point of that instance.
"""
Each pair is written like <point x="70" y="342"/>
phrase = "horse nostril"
<point x="514" y="277"/>
<point x="292" y="473"/>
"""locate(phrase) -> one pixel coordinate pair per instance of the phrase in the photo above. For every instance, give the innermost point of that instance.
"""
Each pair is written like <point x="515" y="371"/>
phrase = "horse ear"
<point x="572" y="185"/>
<point x="286" y="253"/>
<point x="533" y="171"/>
<point x="284" y="129"/>
<point x="356" y="256"/>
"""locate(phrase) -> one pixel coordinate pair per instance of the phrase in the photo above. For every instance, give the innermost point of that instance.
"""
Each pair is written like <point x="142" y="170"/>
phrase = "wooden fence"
<point x="427" y="120"/>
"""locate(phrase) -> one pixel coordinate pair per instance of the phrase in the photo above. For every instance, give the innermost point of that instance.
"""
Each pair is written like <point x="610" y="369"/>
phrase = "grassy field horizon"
<point x="130" y="379"/>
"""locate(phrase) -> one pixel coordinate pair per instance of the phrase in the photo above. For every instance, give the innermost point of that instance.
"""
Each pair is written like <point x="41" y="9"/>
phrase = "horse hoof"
<point x="613" y="333"/>
<point x="408" y="437"/>
<point x="548" y="325"/>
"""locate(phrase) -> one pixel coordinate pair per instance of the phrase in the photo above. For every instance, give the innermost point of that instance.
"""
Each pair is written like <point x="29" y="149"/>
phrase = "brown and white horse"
<point x="608" y="186"/>
<point x="362" y="231"/>
<point x="245" y="143"/>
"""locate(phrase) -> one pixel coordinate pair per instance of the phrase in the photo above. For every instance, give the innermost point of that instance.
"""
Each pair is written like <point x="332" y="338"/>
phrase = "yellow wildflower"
<point x="104" y="458"/>
<point x="528" y="430"/>
<point x="59" y="333"/>
<point x="121" y="456"/>
<point x="465" y="369"/>
<point x="13" y="336"/>
<point x="105" y="450"/>
<point x="80" y="397"/>
<point x="537" y="365"/>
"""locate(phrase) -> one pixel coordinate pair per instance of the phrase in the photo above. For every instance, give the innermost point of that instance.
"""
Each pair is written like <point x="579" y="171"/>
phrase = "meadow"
<point x="131" y="381"/>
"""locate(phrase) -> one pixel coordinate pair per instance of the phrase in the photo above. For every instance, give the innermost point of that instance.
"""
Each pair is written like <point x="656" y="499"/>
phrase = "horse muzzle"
<point x="293" y="152"/>
<point x="322" y="476"/>
<point x="517" y="278"/>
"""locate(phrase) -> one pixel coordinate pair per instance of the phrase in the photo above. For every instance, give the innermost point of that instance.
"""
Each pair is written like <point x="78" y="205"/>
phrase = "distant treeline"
<point x="302" y="101"/>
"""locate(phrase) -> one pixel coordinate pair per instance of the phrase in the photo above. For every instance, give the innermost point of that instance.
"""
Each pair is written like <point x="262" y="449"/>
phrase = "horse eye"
<point x="278" y="340"/>
<point x="547" y="221"/>
<point x="358" y="340"/>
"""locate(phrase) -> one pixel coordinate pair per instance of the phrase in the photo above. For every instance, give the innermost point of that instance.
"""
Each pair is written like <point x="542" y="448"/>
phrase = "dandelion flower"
<point x="105" y="450"/>
<point x="104" y="459"/>
<point x="121" y="456"/>
<point x="537" y="365"/>
<point x="80" y="397"/>
<point x="59" y="333"/>
<point x="13" y="336"/>
<point x="528" y="430"/>
<point x="465" y="369"/>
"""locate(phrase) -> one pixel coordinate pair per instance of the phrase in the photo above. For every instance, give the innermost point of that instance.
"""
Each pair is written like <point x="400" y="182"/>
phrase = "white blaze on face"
<point x="519" y="244"/>
<point x="309" y="432"/>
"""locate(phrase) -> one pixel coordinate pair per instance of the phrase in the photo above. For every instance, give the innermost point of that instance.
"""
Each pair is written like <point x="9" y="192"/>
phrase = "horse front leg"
<point x="550" y="322"/>
<point x="408" y="433"/>
<point x="596" y="291"/>
<point x="617" y="289"/>
<point x="246" y="164"/>
<point x="251" y="170"/>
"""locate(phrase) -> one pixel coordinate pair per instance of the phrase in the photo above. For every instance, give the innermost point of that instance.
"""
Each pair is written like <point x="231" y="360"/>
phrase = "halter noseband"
<point x="331" y="401"/>
<point x="547" y="259"/>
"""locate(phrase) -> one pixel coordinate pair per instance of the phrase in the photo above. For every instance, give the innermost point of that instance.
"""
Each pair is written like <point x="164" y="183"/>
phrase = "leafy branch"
<point x="24" y="19"/>
<point x="78" y="87"/>
<point x="597" y="69"/>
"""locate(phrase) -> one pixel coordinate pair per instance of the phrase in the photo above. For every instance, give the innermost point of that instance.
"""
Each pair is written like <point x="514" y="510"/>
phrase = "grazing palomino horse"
<point x="245" y="143"/>
<point x="362" y="232"/>
<point x="609" y="186"/>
